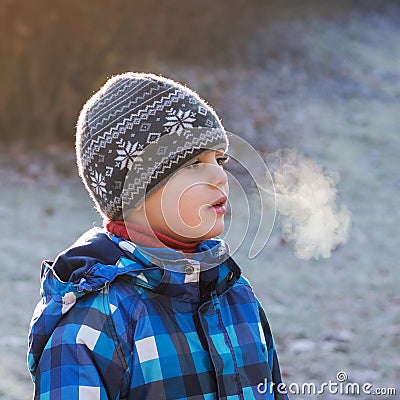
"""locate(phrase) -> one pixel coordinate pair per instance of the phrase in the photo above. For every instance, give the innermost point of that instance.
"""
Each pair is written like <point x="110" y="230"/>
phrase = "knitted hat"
<point x="135" y="132"/>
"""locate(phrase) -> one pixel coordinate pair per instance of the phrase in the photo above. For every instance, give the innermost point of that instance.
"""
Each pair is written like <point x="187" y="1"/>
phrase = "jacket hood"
<point x="97" y="258"/>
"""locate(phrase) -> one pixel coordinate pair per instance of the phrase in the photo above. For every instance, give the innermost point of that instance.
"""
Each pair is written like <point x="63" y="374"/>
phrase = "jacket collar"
<point x="172" y="273"/>
<point x="98" y="258"/>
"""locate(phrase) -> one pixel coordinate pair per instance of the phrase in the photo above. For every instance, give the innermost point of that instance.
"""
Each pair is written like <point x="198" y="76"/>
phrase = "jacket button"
<point x="230" y="275"/>
<point x="189" y="270"/>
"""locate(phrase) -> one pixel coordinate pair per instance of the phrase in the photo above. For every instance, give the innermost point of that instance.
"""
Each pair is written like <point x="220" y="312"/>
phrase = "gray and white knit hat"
<point x="135" y="132"/>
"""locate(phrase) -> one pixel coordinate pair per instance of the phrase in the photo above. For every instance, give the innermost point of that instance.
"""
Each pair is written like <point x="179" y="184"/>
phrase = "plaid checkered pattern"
<point x="125" y="328"/>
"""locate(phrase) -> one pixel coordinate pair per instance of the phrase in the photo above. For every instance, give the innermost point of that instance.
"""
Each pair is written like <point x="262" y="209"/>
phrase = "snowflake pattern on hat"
<point x="179" y="121"/>
<point x="128" y="154"/>
<point x="98" y="184"/>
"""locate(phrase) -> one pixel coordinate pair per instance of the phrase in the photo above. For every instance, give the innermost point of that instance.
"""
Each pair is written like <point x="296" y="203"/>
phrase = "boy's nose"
<point x="218" y="176"/>
<point x="223" y="178"/>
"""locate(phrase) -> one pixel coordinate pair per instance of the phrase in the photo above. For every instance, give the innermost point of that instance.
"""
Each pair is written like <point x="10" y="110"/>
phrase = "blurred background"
<point x="317" y="76"/>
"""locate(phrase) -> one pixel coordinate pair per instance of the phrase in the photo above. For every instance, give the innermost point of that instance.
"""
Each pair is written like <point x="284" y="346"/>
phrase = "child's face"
<point x="192" y="204"/>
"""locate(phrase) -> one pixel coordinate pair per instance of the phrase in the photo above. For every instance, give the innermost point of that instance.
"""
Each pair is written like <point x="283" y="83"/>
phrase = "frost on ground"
<point x="333" y="96"/>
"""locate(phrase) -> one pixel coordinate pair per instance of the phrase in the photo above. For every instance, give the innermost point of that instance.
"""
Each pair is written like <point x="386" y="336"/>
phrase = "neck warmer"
<point x="147" y="237"/>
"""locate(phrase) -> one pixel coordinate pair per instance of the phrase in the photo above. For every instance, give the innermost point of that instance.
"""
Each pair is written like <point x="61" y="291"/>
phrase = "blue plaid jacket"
<point x="114" y="324"/>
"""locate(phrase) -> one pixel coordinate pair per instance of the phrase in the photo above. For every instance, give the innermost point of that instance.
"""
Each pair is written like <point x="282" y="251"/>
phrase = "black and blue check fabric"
<point x="128" y="329"/>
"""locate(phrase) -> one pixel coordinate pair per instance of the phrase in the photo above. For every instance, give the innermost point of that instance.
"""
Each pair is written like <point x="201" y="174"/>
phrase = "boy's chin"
<point x="200" y="233"/>
<point x="215" y="231"/>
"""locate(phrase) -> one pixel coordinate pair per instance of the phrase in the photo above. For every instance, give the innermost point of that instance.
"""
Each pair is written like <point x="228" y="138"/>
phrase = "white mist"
<point x="306" y="200"/>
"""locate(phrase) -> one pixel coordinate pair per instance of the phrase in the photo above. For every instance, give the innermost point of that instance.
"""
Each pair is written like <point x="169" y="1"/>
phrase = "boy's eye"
<point x="194" y="164"/>
<point x="222" y="160"/>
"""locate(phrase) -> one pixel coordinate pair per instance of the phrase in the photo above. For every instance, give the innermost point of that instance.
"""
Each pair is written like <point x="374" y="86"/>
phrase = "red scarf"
<point x="146" y="237"/>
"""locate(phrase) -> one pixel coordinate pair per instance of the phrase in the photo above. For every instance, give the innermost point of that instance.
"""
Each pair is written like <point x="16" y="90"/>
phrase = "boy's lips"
<point x="219" y="206"/>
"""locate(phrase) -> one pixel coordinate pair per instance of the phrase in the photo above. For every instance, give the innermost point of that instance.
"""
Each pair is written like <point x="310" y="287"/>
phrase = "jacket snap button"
<point x="189" y="270"/>
<point x="229" y="277"/>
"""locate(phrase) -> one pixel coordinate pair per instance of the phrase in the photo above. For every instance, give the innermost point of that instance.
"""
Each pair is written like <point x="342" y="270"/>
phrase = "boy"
<point x="151" y="306"/>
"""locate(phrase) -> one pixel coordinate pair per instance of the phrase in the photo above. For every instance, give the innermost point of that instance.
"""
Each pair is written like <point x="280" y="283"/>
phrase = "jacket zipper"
<point x="228" y="342"/>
